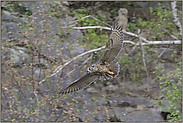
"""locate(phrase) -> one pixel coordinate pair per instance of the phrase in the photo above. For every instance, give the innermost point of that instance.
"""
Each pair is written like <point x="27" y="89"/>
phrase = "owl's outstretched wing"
<point x="80" y="83"/>
<point x="113" y="46"/>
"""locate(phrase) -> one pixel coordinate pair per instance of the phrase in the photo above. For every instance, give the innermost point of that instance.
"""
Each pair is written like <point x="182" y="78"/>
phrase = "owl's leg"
<point x="105" y="76"/>
<point x="99" y="78"/>
<point x="102" y="76"/>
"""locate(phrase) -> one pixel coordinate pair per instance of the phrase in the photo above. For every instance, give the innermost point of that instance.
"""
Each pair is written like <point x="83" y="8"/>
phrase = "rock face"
<point x="117" y="102"/>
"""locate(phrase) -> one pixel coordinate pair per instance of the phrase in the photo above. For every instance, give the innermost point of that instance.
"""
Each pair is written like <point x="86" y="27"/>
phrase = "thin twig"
<point x="67" y="63"/>
<point x="135" y="35"/>
<point x="91" y="17"/>
<point x="61" y="66"/>
<point x="34" y="92"/>
<point x="80" y="65"/>
<point x="143" y="55"/>
<point x="170" y="34"/>
<point x="36" y="98"/>
<point x="174" y="37"/>
<point x="161" y="54"/>
<point x="132" y="49"/>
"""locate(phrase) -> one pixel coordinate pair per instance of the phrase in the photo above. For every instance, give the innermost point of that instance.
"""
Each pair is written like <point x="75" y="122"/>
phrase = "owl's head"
<point x="123" y="11"/>
<point x="91" y="68"/>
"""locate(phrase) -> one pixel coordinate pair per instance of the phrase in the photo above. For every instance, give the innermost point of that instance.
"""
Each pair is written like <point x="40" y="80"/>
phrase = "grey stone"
<point x="7" y="16"/>
<point x="142" y="116"/>
<point x="92" y="90"/>
<point x="110" y="88"/>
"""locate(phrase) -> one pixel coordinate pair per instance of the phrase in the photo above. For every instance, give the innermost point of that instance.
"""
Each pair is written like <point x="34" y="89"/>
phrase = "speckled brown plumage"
<point x="105" y="68"/>
<point x="121" y="20"/>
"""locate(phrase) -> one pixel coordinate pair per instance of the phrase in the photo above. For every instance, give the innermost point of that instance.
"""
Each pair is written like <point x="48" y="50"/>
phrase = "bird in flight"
<point x="104" y="68"/>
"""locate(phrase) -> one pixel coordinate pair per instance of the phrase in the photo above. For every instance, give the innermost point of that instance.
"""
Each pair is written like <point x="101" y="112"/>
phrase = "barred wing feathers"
<point x="83" y="82"/>
<point x="113" y="46"/>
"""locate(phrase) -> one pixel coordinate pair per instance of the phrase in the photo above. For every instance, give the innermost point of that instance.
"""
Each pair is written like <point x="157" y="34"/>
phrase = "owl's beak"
<point x="123" y="13"/>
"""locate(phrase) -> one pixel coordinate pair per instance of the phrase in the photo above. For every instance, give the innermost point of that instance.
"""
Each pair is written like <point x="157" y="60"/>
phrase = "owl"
<point x="104" y="68"/>
<point x="121" y="20"/>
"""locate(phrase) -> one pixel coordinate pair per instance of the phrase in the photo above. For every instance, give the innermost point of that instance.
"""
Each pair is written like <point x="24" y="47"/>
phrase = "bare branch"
<point x="161" y="54"/>
<point x="170" y="34"/>
<point x="107" y="28"/>
<point x="176" y="19"/>
<point x="178" y="42"/>
<point x="36" y="99"/>
<point x="92" y="27"/>
<point x="132" y="50"/>
<point x="174" y="37"/>
<point x="91" y="17"/>
<point x="143" y="55"/>
<point x="80" y="65"/>
<point x="67" y="63"/>
<point x="135" y="35"/>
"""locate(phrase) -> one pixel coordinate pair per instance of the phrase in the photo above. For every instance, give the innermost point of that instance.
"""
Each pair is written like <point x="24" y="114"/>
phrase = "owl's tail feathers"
<point x="116" y="68"/>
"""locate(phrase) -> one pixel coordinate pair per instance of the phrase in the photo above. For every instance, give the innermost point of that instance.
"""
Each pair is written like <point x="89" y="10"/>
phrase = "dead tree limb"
<point x="59" y="68"/>
<point x="176" y="19"/>
<point x="132" y="34"/>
